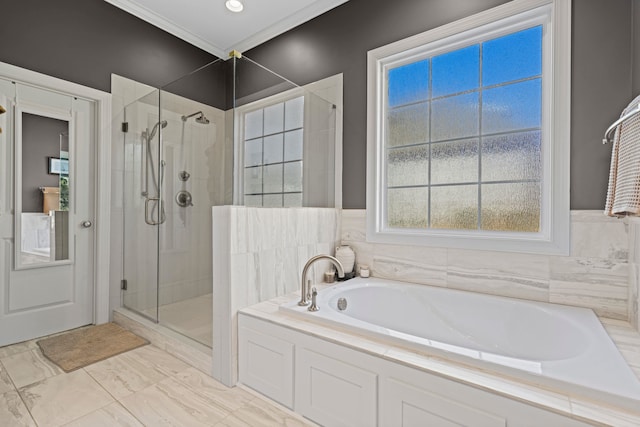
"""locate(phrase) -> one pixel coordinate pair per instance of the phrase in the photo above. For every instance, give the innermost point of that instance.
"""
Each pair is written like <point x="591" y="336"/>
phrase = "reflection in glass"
<point x="272" y="179"/>
<point x="293" y="145"/>
<point x="511" y="207"/>
<point x="45" y="184"/>
<point x="454" y="162"/>
<point x="407" y="207"/>
<point x="454" y="207"/>
<point x="293" y="176"/>
<point x="408" y="125"/>
<point x="273" y="149"/>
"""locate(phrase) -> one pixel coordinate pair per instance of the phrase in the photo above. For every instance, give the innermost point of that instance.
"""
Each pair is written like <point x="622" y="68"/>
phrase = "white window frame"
<point x="553" y="237"/>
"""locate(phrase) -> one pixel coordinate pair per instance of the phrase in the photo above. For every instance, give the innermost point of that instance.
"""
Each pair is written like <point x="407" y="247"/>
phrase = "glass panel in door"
<point x="142" y="204"/>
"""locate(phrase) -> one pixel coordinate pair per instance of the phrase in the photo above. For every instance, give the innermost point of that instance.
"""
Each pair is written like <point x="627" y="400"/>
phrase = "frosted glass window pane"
<point x="512" y="57"/>
<point x="293" y="200"/>
<point x="456" y="71"/>
<point x="274" y="119"/>
<point x="253" y="124"/>
<point x="512" y="157"/>
<point x="408" y="125"/>
<point x="293" y="145"/>
<point x="512" y="107"/>
<point x="272" y="181"/>
<point x="454" y="162"/>
<point x="293" y="176"/>
<point x="272" y="200"/>
<point x="408" y="83"/>
<point x="253" y="180"/>
<point x="253" y="152"/>
<point x="294" y="113"/>
<point x="455" y="117"/>
<point x="253" y="200"/>
<point x="407" y="207"/>
<point x="454" y="207"/>
<point x="408" y="166"/>
<point x="273" y="148"/>
<point x="511" y="207"/>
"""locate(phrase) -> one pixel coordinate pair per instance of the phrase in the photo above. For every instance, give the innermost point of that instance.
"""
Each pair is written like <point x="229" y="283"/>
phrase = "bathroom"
<point x="600" y="271"/>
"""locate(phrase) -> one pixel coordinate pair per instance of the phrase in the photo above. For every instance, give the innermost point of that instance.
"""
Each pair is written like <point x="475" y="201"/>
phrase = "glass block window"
<point x="468" y="133"/>
<point x="273" y="149"/>
<point x="463" y="141"/>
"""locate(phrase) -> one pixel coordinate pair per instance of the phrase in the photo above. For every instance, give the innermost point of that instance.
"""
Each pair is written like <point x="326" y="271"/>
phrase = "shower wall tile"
<point x="602" y="271"/>
<point x="258" y="254"/>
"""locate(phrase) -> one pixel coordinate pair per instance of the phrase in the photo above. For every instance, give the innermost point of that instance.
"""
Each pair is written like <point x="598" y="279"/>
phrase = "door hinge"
<point x="123" y="284"/>
<point x="125" y="127"/>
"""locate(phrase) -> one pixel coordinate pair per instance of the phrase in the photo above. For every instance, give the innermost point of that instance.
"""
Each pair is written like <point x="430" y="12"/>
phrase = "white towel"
<point x="623" y="194"/>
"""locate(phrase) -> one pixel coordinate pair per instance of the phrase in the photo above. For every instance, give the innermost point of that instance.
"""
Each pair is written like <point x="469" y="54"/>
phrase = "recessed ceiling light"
<point x="234" y="5"/>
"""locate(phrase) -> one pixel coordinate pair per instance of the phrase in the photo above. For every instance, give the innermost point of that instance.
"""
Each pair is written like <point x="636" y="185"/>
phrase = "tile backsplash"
<point x="595" y="275"/>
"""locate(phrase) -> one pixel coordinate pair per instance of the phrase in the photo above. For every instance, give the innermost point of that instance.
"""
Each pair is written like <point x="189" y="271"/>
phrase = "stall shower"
<point x="194" y="144"/>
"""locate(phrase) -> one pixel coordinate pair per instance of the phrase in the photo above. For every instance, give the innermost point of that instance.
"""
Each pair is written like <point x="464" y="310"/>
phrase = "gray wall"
<point x="601" y="86"/>
<point x="40" y="140"/>
<point x="338" y="41"/>
<point x="85" y="41"/>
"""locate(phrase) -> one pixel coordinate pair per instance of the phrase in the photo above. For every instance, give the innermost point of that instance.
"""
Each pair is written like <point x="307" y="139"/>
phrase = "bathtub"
<point x="546" y="343"/>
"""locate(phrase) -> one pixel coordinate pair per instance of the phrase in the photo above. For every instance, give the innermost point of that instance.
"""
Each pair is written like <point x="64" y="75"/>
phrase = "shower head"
<point x="200" y="119"/>
<point x="155" y="129"/>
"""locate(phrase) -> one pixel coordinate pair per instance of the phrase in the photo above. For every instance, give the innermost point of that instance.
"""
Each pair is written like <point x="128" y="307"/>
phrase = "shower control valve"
<point x="184" y="199"/>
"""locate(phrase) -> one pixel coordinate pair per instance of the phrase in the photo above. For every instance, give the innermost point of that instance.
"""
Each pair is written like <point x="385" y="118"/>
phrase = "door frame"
<point x="102" y="190"/>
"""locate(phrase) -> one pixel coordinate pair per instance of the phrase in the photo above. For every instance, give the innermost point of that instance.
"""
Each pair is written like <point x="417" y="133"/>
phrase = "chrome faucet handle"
<point x="313" y="306"/>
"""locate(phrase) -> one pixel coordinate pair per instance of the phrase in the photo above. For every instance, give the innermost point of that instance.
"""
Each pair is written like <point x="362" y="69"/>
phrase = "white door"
<point x="47" y="151"/>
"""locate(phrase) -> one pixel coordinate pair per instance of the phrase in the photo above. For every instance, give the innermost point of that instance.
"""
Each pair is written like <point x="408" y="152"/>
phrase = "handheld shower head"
<point x="155" y="129"/>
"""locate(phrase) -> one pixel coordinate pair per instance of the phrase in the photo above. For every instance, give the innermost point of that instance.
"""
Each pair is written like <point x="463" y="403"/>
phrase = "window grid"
<point x="480" y="136"/>
<point x="262" y="137"/>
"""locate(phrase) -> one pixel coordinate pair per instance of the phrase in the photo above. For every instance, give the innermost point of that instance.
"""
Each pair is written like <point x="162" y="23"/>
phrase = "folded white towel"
<point x="623" y="194"/>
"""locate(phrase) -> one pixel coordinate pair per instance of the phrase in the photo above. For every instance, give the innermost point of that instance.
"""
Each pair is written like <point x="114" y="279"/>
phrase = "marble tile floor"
<point x="143" y="387"/>
<point x="192" y="317"/>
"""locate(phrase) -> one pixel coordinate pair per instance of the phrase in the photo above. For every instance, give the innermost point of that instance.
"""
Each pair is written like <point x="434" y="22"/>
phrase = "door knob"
<point x="86" y="224"/>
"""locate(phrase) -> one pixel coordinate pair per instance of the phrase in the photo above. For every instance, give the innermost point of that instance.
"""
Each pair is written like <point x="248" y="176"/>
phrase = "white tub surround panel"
<point x="559" y="346"/>
<point x="595" y="275"/>
<point x="258" y="254"/>
<point x="397" y="386"/>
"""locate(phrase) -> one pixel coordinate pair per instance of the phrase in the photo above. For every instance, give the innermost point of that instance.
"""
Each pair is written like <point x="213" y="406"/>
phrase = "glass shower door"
<point x="142" y="204"/>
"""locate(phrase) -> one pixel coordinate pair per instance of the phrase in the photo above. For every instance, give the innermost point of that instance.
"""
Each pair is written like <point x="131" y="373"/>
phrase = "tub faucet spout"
<point x="304" y="289"/>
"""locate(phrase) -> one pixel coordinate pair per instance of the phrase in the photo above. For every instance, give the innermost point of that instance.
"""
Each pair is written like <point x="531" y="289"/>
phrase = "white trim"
<point x="554" y="235"/>
<point x="103" y="174"/>
<point x="315" y="9"/>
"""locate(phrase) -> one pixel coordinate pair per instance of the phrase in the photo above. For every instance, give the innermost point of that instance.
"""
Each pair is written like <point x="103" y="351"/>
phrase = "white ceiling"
<point x="208" y="24"/>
